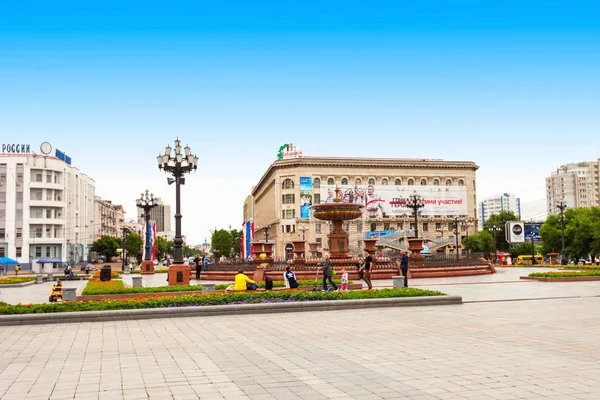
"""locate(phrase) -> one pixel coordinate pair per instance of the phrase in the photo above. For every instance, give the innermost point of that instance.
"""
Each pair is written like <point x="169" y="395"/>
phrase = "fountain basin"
<point x="337" y="211"/>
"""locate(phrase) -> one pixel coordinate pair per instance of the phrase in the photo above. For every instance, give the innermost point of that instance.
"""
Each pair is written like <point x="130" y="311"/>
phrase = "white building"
<point x="46" y="206"/>
<point x="577" y="183"/>
<point x="496" y="204"/>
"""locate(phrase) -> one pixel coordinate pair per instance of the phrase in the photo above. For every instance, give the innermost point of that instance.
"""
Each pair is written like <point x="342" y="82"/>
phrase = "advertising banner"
<point x="533" y="228"/>
<point x="382" y="200"/>
<point x="305" y="196"/>
<point x="514" y="232"/>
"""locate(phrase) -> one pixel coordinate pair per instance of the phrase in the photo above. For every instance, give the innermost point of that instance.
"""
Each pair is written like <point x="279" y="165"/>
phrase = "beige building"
<point x="282" y="197"/>
<point x="109" y="218"/>
<point x="577" y="183"/>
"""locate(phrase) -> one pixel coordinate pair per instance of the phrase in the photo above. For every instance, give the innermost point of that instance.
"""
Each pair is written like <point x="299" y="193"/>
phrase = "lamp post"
<point x="562" y="205"/>
<point x="147" y="202"/>
<point x="533" y="260"/>
<point x="466" y="225"/>
<point x="494" y="230"/>
<point x="443" y="228"/>
<point x="455" y="221"/>
<point x="266" y="228"/>
<point x="125" y="231"/>
<point x="178" y="165"/>
<point x="415" y="203"/>
<point x="303" y="229"/>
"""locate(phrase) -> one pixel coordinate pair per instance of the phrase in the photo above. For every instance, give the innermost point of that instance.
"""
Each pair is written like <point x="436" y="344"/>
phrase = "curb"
<point x="591" y="278"/>
<point x="240" y="309"/>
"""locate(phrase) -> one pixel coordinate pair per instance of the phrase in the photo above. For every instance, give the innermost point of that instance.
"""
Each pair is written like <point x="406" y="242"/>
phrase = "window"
<point x="19" y="232"/>
<point x="48" y="214"/>
<point x="38" y="213"/>
<point x="2" y="179"/>
<point x="19" y="197"/>
<point x="316" y="198"/>
<point x="371" y="181"/>
<point x="373" y="227"/>
<point x="330" y="181"/>
<point x="438" y="226"/>
<point x="38" y="232"/>
<point x="48" y="251"/>
<point x="448" y="182"/>
<point x="57" y="233"/>
<point x="48" y="232"/>
<point x="384" y="182"/>
<point x="56" y="179"/>
<point x="411" y="182"/>
<point x="461" y="182"/>
<point x="2" y="252"/>
<point x="318" y="228"/>
<point x="357" y="181"/>
<point x="19" y="215"/>
<point x="36" y="194"/>
<point x="2" y="197"/>
<point x="344" y="181"/>
<point x="38" y="177"/>
<point x="386" y="226"/>
<point x="38" y="251"/>
<point x="288" y="214"/>
<point x="287" y="184"/>
<point x="316" y="183"/>
<point x="398" y="182"/>
<point x="19" y="252"/>
<point x="436" y="182"/>
<point x="288" y="199"/>
<point x="2" y="214"/>
<point x="320" y="241"/>
<point x="423" y="182"/>
<point x="49" y="177"/>
<point x="19" y="177"/>
<point x="2" y="234"/>
<point x="425" y="227"/>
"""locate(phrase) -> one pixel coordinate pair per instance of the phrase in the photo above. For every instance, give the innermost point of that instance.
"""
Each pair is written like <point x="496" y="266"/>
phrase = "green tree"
<point x="520" y="249"/>
<point x="480" y="242"/>
<point x="236" y="241"/>
<point x="161" y="247"/>
<point x="133" y="245"/>
<point x="221" y="241"/>
<point x="106" y="246"/>
<point x="188" y="251"/>
<point x="550" y="232"/>
<point x="499" y="220"/>
<point x="579" y="231"/>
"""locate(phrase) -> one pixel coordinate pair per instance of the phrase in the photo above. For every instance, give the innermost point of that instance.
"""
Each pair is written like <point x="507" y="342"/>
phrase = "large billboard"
<point x="382" y="200"/>
<point x="533" y="228"/>
<point x="305" y="196"/>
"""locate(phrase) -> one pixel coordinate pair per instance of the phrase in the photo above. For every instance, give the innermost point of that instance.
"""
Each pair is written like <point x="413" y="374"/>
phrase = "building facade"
<point x="46" y="208"/>
<point x="577" y="183"/>
<point x="109" y="218"/>
<point x="280" y="202"/>
<point x="496" y="204"/>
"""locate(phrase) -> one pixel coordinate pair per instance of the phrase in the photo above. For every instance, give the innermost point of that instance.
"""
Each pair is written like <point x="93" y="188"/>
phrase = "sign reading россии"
<point x="16" y="148"/>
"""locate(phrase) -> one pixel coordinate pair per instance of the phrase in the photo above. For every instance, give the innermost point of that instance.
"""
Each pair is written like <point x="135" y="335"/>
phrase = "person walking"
<point x="366" y="268"/>
<point x="404" y="266"/>
<point x="328" y="273"/>
<point x="198" y="264"/>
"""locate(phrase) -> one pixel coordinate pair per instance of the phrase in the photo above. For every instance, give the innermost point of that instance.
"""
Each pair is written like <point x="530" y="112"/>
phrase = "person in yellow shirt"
<point x="242" y="281"/>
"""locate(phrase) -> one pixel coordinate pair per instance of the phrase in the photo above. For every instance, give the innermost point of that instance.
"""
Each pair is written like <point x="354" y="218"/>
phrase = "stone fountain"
<point x="337" y="213"/>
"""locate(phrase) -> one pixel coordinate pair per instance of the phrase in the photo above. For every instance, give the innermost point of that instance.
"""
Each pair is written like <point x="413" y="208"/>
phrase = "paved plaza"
<point x="487" y="348"/>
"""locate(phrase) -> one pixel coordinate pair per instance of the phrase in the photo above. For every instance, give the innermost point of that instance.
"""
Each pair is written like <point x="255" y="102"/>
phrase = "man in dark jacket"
<point x="404" y="266"/>
<point x="198" y="264"/>
<point x="328" y="273"/>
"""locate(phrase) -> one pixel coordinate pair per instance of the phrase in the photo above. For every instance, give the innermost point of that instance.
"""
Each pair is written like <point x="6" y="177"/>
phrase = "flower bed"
<point x="16" y="279"/>
<point x="564" y="274"/>
<point x="302" y="282"/>
<point x="212" y="299"/>
<point x="96" y="287"/>
<point x="156" y="271"/>
<point x="581" y="267"/>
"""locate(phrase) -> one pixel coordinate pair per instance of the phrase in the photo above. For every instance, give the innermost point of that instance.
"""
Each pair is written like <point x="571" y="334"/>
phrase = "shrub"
<point x="212" y="299"/>
<point x="95" y="287"/>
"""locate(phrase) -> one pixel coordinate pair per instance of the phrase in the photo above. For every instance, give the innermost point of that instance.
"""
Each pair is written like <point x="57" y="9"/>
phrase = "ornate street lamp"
<point x="466" y="225"/>
<point x="455" y="221"/>
<point x="562" y="206"/>
<point x="303" y="229"/>
<point x="178" y="164"/>
<point x="147" y="202"/>
<point x="495" y="229"/>
<point x="267" y="233"/>
<point x="415" y="203"/>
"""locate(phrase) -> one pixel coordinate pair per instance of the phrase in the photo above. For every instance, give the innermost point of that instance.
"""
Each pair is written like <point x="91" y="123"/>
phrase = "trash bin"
<point x="105" y="273"/>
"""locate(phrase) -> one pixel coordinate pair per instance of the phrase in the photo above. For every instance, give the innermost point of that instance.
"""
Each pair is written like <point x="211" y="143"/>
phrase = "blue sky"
<point x="511" y="86"/>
